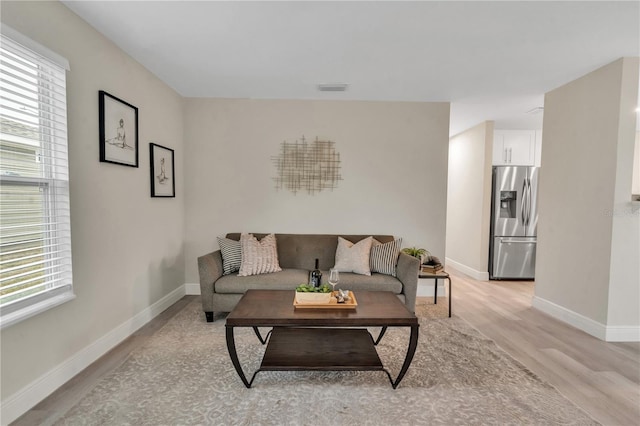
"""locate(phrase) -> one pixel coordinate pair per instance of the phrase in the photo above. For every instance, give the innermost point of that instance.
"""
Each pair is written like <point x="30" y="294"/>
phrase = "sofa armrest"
<point x="210" y="269"/>
<point x="407" y="273"/>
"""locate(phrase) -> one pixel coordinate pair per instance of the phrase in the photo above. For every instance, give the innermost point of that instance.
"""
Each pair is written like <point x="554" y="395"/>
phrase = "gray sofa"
<point x="296" y="255"/>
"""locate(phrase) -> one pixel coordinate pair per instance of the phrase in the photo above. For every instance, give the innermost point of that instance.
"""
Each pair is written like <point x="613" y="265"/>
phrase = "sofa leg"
<point x="209" y="316"/>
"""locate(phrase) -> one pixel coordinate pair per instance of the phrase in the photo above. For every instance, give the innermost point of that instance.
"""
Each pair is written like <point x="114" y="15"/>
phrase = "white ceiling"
<point x="491" y="60"/>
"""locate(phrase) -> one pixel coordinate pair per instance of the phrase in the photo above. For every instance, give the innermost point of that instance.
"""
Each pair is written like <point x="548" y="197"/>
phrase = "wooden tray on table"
<point x="333" y="303"/>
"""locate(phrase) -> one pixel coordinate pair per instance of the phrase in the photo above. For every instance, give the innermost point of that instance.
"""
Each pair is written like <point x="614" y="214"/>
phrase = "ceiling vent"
<point x="333" y="87"/>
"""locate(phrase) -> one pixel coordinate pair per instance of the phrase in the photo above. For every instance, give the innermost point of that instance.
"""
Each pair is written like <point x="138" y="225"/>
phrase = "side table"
<point x="437" y="276"/>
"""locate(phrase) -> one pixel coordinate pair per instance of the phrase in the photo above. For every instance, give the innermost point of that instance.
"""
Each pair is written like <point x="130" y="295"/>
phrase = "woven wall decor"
<point x="311" y="167"/>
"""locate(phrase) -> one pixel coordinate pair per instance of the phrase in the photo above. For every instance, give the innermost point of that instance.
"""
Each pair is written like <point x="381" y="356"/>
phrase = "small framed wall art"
<point x="163" y="183"/>
<point x="118" y="131"/>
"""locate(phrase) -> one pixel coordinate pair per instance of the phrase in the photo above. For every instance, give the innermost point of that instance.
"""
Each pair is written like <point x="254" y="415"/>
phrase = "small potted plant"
<point x="421" y="254"/>
<point x="307" y="294"/>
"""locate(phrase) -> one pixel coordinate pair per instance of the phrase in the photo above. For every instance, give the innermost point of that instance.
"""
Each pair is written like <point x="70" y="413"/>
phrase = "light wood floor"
<point x="601" y="378"/>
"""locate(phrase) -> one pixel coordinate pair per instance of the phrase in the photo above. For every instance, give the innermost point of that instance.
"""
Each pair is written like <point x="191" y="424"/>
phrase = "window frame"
<point x="53" y="182"/>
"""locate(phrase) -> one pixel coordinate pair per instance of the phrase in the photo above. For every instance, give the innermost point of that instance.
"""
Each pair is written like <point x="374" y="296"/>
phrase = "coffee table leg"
<point x="384" y="330"/>
<point x="411" y="350"/>
<point x="262" y="340"/>
<point x="231" y="347"/>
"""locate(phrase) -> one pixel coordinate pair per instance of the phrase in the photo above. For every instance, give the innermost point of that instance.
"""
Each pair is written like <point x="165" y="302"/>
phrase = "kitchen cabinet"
<point x="514" y="147"/>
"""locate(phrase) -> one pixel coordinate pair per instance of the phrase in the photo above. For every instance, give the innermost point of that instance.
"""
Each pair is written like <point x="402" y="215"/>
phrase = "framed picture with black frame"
<point x="118" y="131"/>
<point x="163" y="183"/>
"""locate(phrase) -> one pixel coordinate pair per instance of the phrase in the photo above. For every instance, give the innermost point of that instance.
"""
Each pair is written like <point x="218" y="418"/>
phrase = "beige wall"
<point x="127" y="247"/>
<point x="469" y="200"/>
<point x="394" y="166"/>
<point x="588" y="127"/>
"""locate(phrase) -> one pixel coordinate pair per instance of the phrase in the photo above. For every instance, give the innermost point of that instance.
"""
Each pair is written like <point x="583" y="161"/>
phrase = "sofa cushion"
<point x="374" y="282"/>
<point x="287" y="279"/>
<point x="384" y="257"/>
<point x="258" y="257"/>
<point x="352" y="257"/>
<point x="231" y="255"/>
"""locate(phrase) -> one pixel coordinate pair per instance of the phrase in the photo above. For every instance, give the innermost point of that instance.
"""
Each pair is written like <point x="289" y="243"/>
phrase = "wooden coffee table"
<point x="320" y="339"/>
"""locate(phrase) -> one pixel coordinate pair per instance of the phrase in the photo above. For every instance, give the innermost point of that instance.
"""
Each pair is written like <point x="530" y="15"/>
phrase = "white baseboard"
<point x="192" y="289"/>
<point x="592" y="327"/>
<point x="623" y="333"/>
<point x="20" y="402"/>
<point x="473" y="273"/>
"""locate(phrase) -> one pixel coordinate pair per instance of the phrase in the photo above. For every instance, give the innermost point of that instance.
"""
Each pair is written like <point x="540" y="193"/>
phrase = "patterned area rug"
<point x="183" y="376"/>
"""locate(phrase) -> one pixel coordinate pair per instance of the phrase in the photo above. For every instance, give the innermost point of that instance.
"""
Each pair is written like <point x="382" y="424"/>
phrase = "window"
<point x="35" y="236"/>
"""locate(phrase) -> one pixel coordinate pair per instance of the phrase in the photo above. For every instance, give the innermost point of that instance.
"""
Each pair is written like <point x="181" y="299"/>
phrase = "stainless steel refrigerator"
<point x="514" y="219"/>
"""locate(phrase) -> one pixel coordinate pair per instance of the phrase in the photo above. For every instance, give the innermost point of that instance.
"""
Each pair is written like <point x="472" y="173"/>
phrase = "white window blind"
<point x="35" y="234"/>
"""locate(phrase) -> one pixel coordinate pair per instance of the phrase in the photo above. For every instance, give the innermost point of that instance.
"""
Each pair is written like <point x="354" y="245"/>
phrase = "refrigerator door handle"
<point x="523" y="203"/>
<point x="528" y="202"/>
<point x="506" y="241"/>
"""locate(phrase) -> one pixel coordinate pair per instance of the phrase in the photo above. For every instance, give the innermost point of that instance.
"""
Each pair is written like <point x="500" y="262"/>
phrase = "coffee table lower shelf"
<point x="320" y="349"/>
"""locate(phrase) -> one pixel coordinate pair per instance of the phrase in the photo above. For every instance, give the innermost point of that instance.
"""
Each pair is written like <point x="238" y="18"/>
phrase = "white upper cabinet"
<point x="514" y="148"/>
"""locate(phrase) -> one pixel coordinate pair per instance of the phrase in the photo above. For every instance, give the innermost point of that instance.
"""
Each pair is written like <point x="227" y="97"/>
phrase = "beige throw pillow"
<point x="258" y="257"/>
<point x="353" y="257"/>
